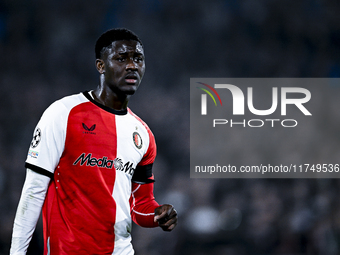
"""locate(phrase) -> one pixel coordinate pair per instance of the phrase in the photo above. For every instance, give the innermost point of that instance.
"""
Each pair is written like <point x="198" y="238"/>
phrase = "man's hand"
<point x="166" y="216"/>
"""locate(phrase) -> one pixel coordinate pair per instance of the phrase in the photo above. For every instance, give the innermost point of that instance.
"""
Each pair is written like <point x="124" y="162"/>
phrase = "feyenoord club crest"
<point x="137" y="140"/>
<point x="36" y="138"/>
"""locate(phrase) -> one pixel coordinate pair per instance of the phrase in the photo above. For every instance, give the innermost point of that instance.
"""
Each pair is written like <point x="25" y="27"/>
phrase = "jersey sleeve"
<point x="29" y="208"/>
<point x="143" y="171"/>
<point x="143" y="205"/>
<point x="48" y="140"/>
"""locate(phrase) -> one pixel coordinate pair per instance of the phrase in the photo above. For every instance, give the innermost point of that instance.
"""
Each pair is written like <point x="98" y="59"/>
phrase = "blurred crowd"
<point x="47" y="52"/>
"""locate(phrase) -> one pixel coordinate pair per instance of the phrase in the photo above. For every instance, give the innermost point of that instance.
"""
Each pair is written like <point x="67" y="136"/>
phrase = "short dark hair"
<point x="116" y="34"/>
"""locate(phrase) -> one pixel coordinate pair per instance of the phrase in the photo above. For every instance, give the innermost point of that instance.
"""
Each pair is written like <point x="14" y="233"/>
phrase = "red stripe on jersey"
<point x="79" y="209"/>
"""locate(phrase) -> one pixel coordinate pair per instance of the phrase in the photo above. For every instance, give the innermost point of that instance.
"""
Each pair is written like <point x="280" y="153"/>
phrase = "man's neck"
<point x="110" y="99"/>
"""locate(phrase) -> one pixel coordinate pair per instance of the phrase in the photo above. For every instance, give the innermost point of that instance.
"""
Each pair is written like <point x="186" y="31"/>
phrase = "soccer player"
<point x="89" y="166"/>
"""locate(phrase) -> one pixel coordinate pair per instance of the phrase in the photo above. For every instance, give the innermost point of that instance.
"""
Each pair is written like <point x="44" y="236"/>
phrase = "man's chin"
<point x="126" y="89"/>
<point x="130" y="90"/>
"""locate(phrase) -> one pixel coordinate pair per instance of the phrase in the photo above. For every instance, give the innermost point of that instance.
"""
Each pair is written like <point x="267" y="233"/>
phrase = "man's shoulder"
<point x="142" y="123"/>
<point x="68" y="102"/>
<point x="64" y="105"/>
<point x="137" y="118"/>
<point x="72" y="100"/>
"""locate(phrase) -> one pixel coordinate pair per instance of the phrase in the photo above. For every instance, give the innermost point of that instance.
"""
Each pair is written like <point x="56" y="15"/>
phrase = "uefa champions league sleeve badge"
<point x="36" y="138"/>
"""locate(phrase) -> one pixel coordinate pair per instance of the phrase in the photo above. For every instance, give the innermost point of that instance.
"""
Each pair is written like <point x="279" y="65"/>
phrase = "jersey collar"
<point x="108" y="109"/>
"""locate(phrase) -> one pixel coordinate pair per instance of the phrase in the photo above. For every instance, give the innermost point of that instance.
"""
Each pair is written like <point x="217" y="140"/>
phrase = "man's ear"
<point x="100" y="66"/>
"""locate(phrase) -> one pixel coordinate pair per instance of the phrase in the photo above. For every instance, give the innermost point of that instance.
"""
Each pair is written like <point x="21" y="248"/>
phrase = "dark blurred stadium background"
<point x="46" y="50"/>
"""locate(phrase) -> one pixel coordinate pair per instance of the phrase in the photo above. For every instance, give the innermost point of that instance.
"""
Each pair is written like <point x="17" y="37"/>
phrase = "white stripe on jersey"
<point x="126" y="125"/>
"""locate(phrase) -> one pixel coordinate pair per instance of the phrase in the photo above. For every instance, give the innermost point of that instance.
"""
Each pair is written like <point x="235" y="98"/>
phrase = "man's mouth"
<point x="131" y="79"/>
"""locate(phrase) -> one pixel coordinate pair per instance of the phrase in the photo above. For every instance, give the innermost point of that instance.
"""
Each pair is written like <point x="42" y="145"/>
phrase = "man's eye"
<point x="120" y="59"/>
<point x="138" y="59"/>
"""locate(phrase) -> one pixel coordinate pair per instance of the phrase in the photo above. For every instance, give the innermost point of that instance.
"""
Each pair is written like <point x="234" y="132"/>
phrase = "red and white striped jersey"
<point x="93" y="154"/>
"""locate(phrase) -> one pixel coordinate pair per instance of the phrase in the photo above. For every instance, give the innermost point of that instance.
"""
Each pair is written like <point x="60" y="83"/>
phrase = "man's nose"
<point x="131" y="65"/>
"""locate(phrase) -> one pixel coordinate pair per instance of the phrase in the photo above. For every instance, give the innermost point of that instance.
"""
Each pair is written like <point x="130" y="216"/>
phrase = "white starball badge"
<point x="36" y="138"/>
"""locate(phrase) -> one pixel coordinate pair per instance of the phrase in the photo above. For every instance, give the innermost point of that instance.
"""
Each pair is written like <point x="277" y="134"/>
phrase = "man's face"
<point x="123" y="67"/>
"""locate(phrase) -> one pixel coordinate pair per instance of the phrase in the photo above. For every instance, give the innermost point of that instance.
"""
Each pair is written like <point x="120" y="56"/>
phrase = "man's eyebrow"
<point x="126" y="53"/>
